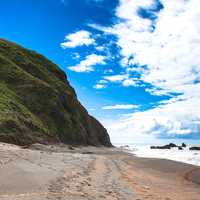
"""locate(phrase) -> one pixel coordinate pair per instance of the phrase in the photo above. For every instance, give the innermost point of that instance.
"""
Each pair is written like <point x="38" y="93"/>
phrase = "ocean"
<point x="185" y="155"/>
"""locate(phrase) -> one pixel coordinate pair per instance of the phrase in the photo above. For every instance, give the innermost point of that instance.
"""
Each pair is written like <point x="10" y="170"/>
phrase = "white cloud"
<point x="103" y="81"/>
<point x="120" y="107"/>
<point x="168" y="120"/>
<point x="171" y="54"/>
<point x="97" y="1"/>
<point x="129" y="82"/>
<point x="88" y="64"/>
<point x="172" y="49"/>
<point x="79" y="38"/>
<point x="100" y="48"/>
<point x="76" y="56"/>
<point x="116" y="78"/>
<point x="99" y="86"/>
<point x="107" y="71"/>
<point x="124" y="79"/>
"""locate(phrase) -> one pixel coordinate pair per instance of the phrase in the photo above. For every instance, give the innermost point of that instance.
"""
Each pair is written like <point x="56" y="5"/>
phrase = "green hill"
<point x="37" y="103"/>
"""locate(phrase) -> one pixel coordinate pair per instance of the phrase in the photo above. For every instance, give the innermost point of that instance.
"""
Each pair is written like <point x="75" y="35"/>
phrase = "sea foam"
<point x="185" y="155"/>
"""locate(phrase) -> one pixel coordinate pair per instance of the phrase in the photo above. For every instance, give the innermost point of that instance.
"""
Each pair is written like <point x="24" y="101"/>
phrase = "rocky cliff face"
<point x="37" y="103"/>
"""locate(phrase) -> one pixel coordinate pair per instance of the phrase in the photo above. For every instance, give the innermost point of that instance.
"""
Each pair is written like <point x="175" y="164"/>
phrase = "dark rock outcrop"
<point x="168" y="146"/>
<point x="38" y="105"/>
<point x="195" y="148"/>
<point x="183" y="145"/>
<point x="180" y="148"/>
<point x="160" y="147"/>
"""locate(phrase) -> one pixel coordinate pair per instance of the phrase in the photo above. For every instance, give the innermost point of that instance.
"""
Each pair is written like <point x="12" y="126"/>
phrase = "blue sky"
<point x="133" y="63"/>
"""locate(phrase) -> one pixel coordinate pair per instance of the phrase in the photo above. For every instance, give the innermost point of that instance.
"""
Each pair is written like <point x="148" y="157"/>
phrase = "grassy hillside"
<point x="37" y="104"/>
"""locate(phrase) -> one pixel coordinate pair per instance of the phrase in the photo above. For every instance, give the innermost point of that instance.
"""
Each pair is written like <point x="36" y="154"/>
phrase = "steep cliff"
<point x="37" y="103"/>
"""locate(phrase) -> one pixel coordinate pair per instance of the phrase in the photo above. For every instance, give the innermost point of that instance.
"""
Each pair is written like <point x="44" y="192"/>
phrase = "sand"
<point x="61" y="173"/>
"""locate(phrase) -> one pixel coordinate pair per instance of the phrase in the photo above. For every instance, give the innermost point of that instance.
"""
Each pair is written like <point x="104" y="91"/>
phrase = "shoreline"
<point x="185" y="155"/>
<point x="56" y="172"/>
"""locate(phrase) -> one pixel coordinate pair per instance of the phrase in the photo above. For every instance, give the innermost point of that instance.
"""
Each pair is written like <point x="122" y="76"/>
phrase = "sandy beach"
<point x="80" y="173"/>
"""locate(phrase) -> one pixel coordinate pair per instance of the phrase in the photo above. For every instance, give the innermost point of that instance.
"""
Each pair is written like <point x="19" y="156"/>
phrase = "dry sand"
<point x="58" y="173"/>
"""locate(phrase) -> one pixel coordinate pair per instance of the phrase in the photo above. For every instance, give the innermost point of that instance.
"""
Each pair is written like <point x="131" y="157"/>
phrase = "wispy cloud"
<point x="100" y="48"/>
<point x="166" y="40"/>
<point x="159" y="45"/>
<point x="116" y="78"/>
<point x="124" y="79"/>
<point x="108" y="71"/>
<point x="178" y="118"/>
<point x="96" y="1"/>
<point x="99" y="86"/>
<point x="88" y="64"/>
<point x="164" y="50"/>
<point x="120" y="107"/>
<point x="79" y="38"/>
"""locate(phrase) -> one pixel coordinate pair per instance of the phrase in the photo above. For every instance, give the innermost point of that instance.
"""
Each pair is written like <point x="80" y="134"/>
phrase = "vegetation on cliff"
<point x="37" y="103"/>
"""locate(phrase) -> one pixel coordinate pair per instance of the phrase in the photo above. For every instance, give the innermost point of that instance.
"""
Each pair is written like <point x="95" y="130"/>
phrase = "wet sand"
<point x="62" y="173"/>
